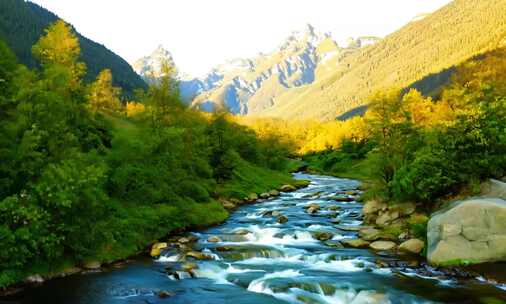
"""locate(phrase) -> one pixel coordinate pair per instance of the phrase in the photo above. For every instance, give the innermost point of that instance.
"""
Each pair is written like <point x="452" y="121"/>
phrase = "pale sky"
<point x="201" y="34"/>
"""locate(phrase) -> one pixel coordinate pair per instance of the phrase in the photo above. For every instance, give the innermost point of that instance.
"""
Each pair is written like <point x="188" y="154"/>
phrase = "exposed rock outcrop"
<point x="468" y="232"/>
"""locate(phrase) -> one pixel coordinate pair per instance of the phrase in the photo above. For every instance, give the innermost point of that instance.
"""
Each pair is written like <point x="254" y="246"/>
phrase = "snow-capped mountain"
<point x="150" y="67"/>
<point x="249" y="86"/>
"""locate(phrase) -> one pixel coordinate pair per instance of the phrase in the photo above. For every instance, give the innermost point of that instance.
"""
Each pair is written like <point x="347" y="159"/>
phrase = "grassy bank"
<point x="339" y="164"/>
<point x="128" y="226"/>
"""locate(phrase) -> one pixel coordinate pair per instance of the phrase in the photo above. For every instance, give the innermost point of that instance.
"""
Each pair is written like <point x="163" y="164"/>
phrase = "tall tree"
<point x="103" y="95"/>
<point x="59" y="48"/>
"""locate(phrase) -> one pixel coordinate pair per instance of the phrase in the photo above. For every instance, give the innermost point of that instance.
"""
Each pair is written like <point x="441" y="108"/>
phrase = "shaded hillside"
<point x="445" y="38"/>
<point x="22" y="23"/>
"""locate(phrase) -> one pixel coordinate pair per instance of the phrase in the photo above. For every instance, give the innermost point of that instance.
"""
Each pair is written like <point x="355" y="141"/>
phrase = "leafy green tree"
<point x="103" y="95"/>
<point x="59" y="47"/>
<point x="163" y="97"/>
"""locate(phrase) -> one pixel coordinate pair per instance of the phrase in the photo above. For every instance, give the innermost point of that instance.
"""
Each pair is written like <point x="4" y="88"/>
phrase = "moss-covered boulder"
<point x="468" y="232"/>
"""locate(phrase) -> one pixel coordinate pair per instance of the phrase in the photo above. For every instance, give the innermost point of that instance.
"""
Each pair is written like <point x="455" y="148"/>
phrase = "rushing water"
<point x="262" y="261"/>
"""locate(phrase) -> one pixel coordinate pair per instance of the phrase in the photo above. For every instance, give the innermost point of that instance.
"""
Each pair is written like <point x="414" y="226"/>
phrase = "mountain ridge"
<point x="250" y="85"/>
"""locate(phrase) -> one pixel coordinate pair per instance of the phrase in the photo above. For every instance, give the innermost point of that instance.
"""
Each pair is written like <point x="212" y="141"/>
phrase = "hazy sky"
<point x="203" y="33"/>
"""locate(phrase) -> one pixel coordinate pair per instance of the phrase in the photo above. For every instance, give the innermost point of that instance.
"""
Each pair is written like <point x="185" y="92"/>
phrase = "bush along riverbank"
<point x="432" y="167"/>
<point x="87" y="178"/>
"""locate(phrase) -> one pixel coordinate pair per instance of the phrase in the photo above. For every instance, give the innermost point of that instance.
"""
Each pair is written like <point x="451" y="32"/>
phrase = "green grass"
<point x="339" y="164"/>
<point x="249" y="178"/>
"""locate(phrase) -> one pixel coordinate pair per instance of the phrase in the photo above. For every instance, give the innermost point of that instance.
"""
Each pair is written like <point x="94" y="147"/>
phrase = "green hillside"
<point x="21" y="25"/>
<point x="443" y="39"/>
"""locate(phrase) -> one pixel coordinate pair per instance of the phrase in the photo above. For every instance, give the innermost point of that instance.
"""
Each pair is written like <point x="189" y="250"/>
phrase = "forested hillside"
<point x="445" y="38"/>
<point x="21" y="25"/>
<point x="85" y="178"/>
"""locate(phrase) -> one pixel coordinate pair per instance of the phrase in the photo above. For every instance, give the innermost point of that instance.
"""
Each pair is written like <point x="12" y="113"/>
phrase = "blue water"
<point x="268" y="262"/>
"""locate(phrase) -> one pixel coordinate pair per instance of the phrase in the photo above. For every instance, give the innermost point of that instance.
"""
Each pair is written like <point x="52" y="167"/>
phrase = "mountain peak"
<point x="161" y="51"/>
<point x="151" y="66"/>
<point x="300" y="38"/>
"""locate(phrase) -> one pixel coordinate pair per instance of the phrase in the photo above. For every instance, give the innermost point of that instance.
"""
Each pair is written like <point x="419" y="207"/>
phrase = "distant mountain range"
<point x="252" y="85"/>
<point x="310" y="76"/>
<point x="23" y="22"/>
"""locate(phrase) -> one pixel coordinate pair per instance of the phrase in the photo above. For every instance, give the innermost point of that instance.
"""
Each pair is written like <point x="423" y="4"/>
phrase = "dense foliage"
<point x="83" y="177"/>
<point x="420" y="149"/>
<point x="23" y="22"/>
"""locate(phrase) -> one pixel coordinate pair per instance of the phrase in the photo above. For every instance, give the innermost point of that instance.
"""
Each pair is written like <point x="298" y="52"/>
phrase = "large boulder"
<point x="468" y="232"/>
<point x="494" y="188"/>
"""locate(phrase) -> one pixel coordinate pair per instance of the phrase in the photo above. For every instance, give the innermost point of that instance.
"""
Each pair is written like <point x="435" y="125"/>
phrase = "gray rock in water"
<point x="383" y="245"/>
<point x="165" y="294"/>
<point x="282" y="219"/>
<point x="213" y="239"/>
<point x="468" y="232"/>
<point x="323" y="235"/>
<point x="334" y="244"/>
<point x="370" y="234"/>
<point x="355" y="243"/>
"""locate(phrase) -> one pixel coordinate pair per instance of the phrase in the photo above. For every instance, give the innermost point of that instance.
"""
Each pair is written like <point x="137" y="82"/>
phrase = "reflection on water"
<point x="258" y="260"/>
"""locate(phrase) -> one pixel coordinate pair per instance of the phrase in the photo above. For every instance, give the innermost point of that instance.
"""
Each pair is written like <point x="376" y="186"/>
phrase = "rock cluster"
<point x="232" y="203"/>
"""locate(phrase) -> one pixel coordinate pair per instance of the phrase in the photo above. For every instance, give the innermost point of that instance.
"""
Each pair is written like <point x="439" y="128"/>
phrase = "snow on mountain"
<point x="248" y="86"/>
<point x="151" y="66"/>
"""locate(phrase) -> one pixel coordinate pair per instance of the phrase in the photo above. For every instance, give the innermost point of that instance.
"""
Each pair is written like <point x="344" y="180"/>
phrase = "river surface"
<point x="262" y="261"/>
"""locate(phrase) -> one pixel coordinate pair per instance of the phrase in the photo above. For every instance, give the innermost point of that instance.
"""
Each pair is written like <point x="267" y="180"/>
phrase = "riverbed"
<point x="259" y="260"/>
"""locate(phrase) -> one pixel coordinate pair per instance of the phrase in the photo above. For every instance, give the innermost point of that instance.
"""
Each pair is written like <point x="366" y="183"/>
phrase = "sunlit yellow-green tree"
<point x="59" y="48"/>
<point x="103" y="96"/>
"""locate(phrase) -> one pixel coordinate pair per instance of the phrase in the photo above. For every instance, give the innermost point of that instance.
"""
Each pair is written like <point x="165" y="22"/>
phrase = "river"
<point x="259" y="260"/>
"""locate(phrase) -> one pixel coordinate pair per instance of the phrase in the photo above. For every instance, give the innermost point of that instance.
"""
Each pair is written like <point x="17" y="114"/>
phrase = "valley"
<point x="367" y="170"/>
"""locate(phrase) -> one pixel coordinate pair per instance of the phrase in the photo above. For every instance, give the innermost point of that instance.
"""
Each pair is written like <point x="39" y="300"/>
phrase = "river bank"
<point x="254" y="258"/>
<point x="266" y="182"/>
